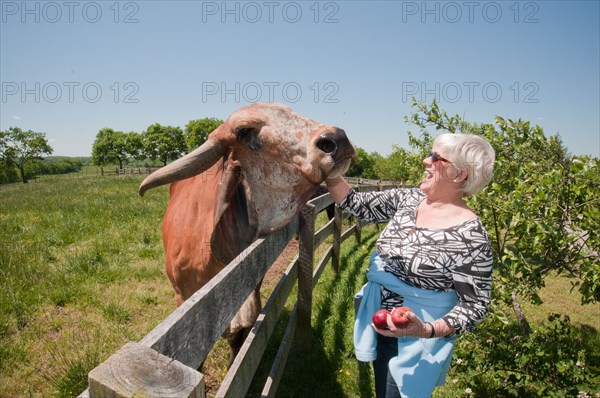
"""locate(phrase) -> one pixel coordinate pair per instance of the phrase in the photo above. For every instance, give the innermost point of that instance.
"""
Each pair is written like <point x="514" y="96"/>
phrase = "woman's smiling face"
<point x="440" y="175"/>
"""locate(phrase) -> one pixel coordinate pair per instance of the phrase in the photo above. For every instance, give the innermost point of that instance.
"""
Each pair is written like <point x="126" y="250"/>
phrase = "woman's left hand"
<point x="415" y="328"/>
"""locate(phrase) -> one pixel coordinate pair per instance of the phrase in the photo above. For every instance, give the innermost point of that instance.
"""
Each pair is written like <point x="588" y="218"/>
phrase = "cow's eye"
<point x="243" y="132"/>
<point x="249" y="136"/>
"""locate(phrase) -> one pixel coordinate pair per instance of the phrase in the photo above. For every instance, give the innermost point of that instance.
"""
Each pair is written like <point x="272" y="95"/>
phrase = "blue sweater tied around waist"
<point x="421" y="364"/>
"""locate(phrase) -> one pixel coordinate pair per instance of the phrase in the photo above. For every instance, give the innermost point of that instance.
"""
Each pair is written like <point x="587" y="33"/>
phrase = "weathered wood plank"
<point x="305" y="272"/>
<point x="320" y="267"/>
<point x="323" y="233"/>
<point x="240" y="374"/>
<point x="388" y="186"/>
<point x="338" y="220"/>
<point x="358" y="231"/>
<point x="190" y="332"/>
<point x="270" y="388"/>
<point x="346" y="234"/>
<point x="136" y="371"/>
<point x="365" y="188"/>
<point x="321" y="202"/>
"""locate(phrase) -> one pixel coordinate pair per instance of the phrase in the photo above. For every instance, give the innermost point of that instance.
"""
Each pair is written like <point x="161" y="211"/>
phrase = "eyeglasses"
<point x="436" y="156"/>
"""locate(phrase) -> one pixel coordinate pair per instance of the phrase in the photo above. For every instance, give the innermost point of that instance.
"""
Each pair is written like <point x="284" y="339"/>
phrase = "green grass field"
<point x="81" y="273"/>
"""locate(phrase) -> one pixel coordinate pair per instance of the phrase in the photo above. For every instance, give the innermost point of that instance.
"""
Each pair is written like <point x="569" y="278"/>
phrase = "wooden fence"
<point x="129" y="170"/>
<point x="164" y="362"/>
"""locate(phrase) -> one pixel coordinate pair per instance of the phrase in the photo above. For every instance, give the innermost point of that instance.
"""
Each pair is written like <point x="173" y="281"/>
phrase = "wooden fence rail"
<point x="164" y="362"/>
<point x="128" y="170"/>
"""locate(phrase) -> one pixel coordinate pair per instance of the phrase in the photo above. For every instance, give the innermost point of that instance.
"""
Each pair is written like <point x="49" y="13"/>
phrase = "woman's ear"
<point x="461" y="176"/>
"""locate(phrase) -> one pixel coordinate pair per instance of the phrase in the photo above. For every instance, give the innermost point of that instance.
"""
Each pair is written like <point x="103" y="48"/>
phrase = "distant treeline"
<point x="48" y="165"/>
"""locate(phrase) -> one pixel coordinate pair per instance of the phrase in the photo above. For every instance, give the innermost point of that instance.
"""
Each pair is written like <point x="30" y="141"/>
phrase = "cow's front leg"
<point x="242" y="323"/>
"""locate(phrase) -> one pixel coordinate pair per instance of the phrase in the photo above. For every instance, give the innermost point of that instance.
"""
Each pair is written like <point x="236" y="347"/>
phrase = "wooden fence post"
<point x="357" y="231"/>
<point x="136" y="371"/>
<point x="305" y="275"/>
<point x="337" y="238"/>
<point x="358" y="225"/>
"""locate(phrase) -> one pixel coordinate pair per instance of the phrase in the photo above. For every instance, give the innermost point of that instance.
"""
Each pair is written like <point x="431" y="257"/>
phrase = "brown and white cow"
<point x="251" y="177"/>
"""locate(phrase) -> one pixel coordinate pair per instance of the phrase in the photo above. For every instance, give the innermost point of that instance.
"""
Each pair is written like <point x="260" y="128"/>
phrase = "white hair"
<point x="471" y="153"/>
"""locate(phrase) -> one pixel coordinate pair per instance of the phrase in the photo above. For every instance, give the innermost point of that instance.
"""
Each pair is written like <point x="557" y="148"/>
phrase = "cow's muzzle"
<point x="336" y="144"/>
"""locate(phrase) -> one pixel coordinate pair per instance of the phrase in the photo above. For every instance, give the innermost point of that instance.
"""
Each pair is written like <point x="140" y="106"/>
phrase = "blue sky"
<point x="69" y="69"/>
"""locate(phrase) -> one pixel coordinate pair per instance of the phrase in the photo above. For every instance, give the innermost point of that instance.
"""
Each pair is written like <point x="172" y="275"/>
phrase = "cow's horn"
<point x="187" y="166"/>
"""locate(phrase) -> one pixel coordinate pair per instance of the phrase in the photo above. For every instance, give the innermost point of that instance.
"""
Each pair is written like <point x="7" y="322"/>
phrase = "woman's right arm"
<point x="374" y="206"/>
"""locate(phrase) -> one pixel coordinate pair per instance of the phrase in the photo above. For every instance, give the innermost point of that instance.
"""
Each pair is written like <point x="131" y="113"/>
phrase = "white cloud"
<point x="17" y="117"/>
<point x="540" y="118"/>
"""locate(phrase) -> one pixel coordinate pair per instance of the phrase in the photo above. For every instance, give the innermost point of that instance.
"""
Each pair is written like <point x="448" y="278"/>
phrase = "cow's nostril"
<point x="327" y="145"/>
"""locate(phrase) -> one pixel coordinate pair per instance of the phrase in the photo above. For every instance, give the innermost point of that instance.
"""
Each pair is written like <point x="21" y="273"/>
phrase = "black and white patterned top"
<point x="458" y="258"/>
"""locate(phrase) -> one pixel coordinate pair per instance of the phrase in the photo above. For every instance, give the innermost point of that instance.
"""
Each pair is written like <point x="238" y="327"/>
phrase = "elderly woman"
<point x="434" y="256"/>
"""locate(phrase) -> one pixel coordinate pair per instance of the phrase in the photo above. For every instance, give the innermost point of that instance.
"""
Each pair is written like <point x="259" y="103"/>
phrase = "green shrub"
<point x="558" y="359"/>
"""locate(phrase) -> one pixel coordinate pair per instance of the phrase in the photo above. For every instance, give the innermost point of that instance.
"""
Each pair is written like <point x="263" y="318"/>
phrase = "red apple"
<point x="400" y="316"/>
<point x="380" y="319"/>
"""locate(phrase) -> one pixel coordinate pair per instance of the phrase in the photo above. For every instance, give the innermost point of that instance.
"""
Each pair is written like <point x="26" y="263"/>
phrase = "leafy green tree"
<point x="197" y="131"/>
<point x="540" y="208"/>
<point x="400" y="165"/>
<point x="163" y="143"/>
<point x="58" y="166"/>
<point x="364" y="164"/>
<point x="134" y="146"/>
<point x="116" y="147"/>
<point x="109" y="148"/>
<point x="18" y="147"/>
<point x="8" y="173"/>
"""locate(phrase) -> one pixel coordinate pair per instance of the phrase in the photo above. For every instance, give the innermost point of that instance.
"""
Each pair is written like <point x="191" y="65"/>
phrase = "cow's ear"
<point x="235" y="218"/>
